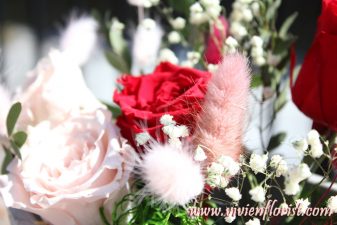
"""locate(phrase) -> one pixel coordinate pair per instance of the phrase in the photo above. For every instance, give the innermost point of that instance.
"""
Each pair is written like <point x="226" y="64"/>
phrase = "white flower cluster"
<point x="294" y="177"/>
<point x="174" y="37"/>
<point x="167" y="55"/>
<point x="257" y="52"/>
<point x="174" y="131"/>
<point x="178" y="23"/>
<point x="142" y="138"/>
<point x="302" y="205"/>
<point x="148" y="23"/>
<point x="311" y="145"/>
<point x="212" y="67"/>
<point x="231" y="45"/>
<point x="332" y="203"/>
<point x="279" y="164"/>
<point x="258" y="163"/>
<point x="170" y="128"/>
<point x="199" y="154"/>
<point x="243" y="12"/>
<point x="204" y="10"/>
<point x="219" y="172"/>
<point x="258" y="194"/>
<point x="233" y="193"/>
<point x="192" y="59"/>
<point x="254" y="221"/>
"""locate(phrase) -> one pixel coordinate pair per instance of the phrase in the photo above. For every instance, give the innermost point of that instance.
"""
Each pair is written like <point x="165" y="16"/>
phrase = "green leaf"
<point x="115" y="110"/>
<point x="181" y="6"/>
<point x="16" y="149"/>
<point x="12" y="117"/>
<point x="117" y="41"/>
<point x="117" y="62"/>
<point x="272" y="9"/>
<point x="19" y="138"/>
<point x="7" y="159"/>
<point x="256" y="81"/>
<point x="276" y="140"/>
<point x="287" y="24"/>
<point x="283" y="44"/>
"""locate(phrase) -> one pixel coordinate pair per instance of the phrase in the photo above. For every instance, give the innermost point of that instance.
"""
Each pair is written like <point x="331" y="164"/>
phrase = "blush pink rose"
<point x="4" y="104"/>
<point x="69" y="170"/>
<point x="74" y="160"/>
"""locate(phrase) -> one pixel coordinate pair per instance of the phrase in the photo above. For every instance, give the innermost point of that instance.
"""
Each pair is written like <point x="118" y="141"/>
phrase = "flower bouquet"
<point x="170" y="148"/>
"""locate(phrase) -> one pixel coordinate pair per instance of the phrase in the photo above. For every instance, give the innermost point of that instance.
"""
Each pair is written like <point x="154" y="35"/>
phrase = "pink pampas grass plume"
<point x="170" y="174"/>
<point x="221" y="122"/>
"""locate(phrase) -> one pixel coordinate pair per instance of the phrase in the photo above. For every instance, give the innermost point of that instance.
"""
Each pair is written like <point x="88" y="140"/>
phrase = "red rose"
<point x="219" y="32"/>
<point x="315" y="90"/>
<point x="170" y="89"/>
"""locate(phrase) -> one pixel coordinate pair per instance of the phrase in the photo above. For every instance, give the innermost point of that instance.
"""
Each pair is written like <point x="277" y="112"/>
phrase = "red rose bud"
<point x="215" y="41"/>
<point x="315" y="90"/>
<point x="170" y="89"/>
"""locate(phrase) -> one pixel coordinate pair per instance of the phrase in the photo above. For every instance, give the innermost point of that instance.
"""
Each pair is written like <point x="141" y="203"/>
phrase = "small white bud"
<point x="199" y="154"/>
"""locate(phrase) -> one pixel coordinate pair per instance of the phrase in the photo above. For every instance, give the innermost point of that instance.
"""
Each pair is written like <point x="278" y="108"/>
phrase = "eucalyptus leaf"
<point x="16" y="149"/>
<point x="12" y="117"/>
<point x="7" y="159"/>
<point x="19" y="138"/>
<point x="287" y="24"/>
<point x="117" y="62"/>
<point x="276" y="140"/>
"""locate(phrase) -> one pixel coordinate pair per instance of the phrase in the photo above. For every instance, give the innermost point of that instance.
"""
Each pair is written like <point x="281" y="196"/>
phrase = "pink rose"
<point x="5" y="105"/>
<point x="74" y="160"/>
<point x="68" y="170"/>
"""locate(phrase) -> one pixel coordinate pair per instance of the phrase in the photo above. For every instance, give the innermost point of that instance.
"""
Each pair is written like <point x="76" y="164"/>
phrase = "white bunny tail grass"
<point x="170" y="174"/>
<point x="79" y="38"/>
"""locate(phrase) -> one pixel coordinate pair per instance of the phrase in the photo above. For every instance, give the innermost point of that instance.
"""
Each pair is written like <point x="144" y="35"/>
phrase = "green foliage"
<point x="19" y="138"/>
<point x="283" y="33"/>
<point x="181" y="6"/>
<point x="12" y="117"/>
<point x="131" y="211"/>
<point x="256" y="81"/>
<point x="8" y="158"/>
<point x="118" y="62"/>
<point x="115" y="110"/>
<point x="15" y="140"/>
<point x="276" y="140"/>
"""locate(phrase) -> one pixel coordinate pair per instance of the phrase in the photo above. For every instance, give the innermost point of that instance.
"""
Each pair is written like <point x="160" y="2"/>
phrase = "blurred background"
<point x="28" y="28"/>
